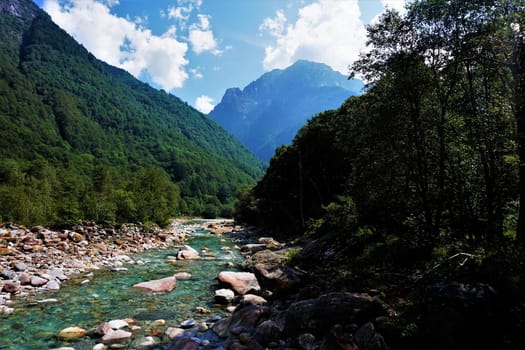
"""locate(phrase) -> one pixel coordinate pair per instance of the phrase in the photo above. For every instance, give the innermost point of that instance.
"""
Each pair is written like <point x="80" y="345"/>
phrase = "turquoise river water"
<point x="108" y="295"/>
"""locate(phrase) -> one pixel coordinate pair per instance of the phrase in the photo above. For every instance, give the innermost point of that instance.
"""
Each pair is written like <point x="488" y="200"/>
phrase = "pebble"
<point x="117" y="324"/>
<point x="188" y="323"/>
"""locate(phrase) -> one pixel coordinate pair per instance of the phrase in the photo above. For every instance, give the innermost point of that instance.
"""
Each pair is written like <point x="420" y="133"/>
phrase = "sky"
<point x="196" y="49"/>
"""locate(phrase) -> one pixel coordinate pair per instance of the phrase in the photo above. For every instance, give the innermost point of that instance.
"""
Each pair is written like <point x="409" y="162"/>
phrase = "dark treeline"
<point x="417" y="181"/>
<point x="429" y="150"/>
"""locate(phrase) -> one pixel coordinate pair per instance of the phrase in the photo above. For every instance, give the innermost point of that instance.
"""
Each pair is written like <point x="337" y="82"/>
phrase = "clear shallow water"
<point x="109" y="296"/>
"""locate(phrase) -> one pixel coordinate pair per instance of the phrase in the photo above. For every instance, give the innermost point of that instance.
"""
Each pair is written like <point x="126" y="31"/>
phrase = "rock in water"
<point x="241" y="282"/>
<point x="224" y="296"/>
<point x="162" y="285"/>
<point x="72" y="333"/>
<point x="187" y="253"/>
<point x="115" y="336"/>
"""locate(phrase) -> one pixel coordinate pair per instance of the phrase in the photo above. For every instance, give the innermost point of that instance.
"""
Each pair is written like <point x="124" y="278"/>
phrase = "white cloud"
<point x="121" y="42"/>
<point x="201" y="37"/>
<point x="328" y="31"/>
<point x="204" y="104"/>
<point x="398" y="5"/>
<point x="196" y="73"/>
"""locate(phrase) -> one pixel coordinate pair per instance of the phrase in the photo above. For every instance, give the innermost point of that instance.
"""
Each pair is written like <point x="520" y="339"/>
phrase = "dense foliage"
<point x="413" y="188"/>
<point x="83" y="140"/>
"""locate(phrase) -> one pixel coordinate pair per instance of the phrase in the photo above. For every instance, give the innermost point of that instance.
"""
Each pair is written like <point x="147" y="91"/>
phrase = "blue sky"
<point x="196" y="49"/>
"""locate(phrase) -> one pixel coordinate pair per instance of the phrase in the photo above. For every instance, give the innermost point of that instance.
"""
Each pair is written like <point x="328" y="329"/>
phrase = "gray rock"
<point x="38" y="281"/>
<point x="187" y="253"/>
<point x="115" y="336"/>
<point x="52" y="285"/>
<point x="7" y="274"/>
<point x="224" y="296"/>
<point x="20" y="267"/>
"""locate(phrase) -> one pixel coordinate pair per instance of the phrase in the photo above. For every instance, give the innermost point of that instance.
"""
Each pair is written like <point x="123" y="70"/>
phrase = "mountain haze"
<point x="268" y="112"/>
<point x="93" y="127"/>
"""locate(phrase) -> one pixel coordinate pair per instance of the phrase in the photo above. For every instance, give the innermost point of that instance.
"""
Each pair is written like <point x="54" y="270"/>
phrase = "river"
<point x="88" y="300"/>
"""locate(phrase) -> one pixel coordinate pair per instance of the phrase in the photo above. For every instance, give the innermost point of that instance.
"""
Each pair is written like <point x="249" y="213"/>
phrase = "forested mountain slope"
<point x="268" y="112"/>
<point x="83" y="140"/>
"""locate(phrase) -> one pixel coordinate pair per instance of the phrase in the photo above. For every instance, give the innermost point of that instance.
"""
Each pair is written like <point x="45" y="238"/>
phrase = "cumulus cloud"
<point x="201" y="37"/>
<point x="122" y="42"/>
<point x="328" y="31"/>
<point x="204" y="104"/>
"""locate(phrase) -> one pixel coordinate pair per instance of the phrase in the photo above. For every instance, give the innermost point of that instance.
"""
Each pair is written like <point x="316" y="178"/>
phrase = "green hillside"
<point x="83" y="140"/>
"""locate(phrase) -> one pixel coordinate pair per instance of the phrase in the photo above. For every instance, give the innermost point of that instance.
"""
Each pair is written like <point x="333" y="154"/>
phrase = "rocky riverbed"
<point x="258" y="302"/>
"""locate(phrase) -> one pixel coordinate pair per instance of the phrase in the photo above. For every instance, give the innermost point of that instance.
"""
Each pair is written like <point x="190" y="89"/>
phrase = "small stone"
<point x="11" y="287"/>
<point x="20" y="267"/>
<point x="99" y="346"/>
<point x="173" y="332"/>
<point x="160" y="322"/>
<point x="38" y="281"/>
<point x="188" y="323"/>
<point x="253" y="299"/>
<point x="115" y="336"/>
<point x="147" y="341"/>
<point x="7" y="274"/>
<point x="24" y="278"/>
<point x="201" y="327"/>
<point x="72" y="333"/>
<point x="202" y="310"/>
<point x="52" y="285"/>
<point x="117" y="324"/>
<point x="183" y="276"/>
<point x="224" y="296"/>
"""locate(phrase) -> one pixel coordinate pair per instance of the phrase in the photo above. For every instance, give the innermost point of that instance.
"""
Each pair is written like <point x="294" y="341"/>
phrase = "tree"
<point x="519" y="74"/>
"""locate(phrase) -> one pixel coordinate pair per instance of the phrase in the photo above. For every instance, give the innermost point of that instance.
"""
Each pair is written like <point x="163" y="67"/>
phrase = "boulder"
<point x="278" y="277"/>
<point x="72" y="333"/>
<point x="224" y="296"/>
<point x="241" y="282"/>
<point x="243" y="320"/>
<point x="267" y="332"/>
<point x="319" y="315"/>
<point x="162" y="285"/>
<point x="187" y="253"/>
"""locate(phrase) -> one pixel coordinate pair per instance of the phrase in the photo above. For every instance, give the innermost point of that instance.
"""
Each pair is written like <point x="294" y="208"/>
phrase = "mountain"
<point x="84" y="140"/>
<point x="268" y="112"/>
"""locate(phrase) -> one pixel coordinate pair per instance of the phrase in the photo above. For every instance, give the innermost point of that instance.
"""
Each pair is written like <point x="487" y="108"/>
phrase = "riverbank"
<point x="38" y="259"/>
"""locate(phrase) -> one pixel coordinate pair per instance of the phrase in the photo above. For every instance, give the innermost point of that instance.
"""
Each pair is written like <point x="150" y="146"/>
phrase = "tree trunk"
<point x="520" y="118"/>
